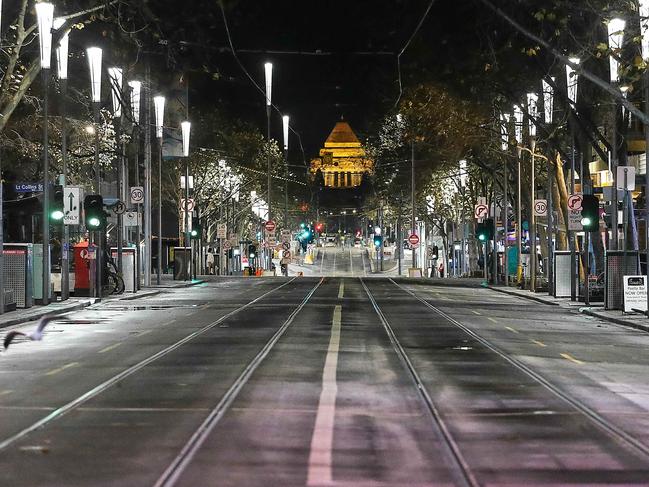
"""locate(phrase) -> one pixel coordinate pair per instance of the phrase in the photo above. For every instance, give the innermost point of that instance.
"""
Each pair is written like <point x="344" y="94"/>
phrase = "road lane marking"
<point x="341" y="289"/>
<point x="540" y="344"/>
<point x="511" y="329"/>
<point x="493" y="320"/>
<point x="61" y="369"/>
<point x="6" y="392"/>
<point x="320" y="457"/>
<point x="472" y="311"/>
<point x="572" y="359"/>
<point x="145" y="332"/>
<point x="110" y="347"/>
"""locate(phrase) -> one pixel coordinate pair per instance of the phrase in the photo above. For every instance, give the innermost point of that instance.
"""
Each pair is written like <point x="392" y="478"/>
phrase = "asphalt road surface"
<point x="341" y="262"/>
<point x="333" y="381"/>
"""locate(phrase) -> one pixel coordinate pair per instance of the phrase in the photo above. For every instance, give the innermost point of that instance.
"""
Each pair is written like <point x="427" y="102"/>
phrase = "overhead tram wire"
<point x="252" y="80"/>
<point x="412" y="36"/>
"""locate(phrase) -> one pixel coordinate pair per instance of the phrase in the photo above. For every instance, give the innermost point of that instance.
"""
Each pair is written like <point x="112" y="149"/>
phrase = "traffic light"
<point x="302" y="225"/>
<point x="252" y="251"/>
<point x="435" y="252"/>
<point x="197" y="230"/>
<point x="319" y="227"/>
<point x="378" y="241"/>
<point x="485" y="230"/>
<point x="57" y="209"/>
<point x="590" y="213"/>
<point x="95" y="216"/>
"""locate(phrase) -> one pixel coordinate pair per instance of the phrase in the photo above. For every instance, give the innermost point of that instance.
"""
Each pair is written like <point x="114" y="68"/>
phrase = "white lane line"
<point x="341" y="289"/>
<point x="319" y="472"/>
<point x="6" y="392"/>
<point x="110" y="347"/>
<point x="61" y="369"/>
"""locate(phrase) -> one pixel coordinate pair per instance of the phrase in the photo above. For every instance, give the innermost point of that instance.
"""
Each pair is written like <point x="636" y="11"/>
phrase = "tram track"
<point x="621" y="437"/>
<point x="453" y="452"/>
<point x="176" y="468"/>
<point x="117" y="378"/>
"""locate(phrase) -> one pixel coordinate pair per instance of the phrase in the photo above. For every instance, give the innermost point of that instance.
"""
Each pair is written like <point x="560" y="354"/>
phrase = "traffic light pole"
<point x="533" y="255"/>
<point x="412" y="196"/>
<point x="65" y="249"/>
<point x="46" y="191"/>
<point x="159" y="266"/>
<point x="269" y="251"/>
<point x="586" y="283"/>
<point x="187" y="235"/>
<point x="98" y="234"/>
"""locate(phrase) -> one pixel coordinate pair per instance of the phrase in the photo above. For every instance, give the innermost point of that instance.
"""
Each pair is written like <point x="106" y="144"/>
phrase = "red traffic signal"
<point x="319" y="227"/>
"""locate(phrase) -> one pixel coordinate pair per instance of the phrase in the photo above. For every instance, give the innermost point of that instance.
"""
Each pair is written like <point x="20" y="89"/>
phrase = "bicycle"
<point x="114" y="282"/>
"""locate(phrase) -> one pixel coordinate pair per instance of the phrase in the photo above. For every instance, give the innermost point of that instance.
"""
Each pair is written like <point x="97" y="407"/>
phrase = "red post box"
<point x="81" y="270"/>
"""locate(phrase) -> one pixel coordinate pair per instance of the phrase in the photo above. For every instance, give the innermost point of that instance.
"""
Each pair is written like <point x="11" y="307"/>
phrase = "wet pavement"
<point x="341" y="380"/>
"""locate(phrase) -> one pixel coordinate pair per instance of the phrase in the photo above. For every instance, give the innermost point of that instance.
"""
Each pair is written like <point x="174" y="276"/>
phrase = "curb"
<point x="618" y="321"/>
<point x="530" y="297"/>
<point x="40" y="314"/>
<point x="139" y="295"/>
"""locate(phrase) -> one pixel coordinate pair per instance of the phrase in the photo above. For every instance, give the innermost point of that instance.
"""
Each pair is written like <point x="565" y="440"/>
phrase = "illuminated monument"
<point x="342" y="160"/>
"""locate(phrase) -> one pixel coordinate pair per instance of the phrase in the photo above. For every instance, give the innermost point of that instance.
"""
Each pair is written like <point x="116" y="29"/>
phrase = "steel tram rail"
<point x="107" y="384"/>
<point x="463" y="471"/>
<point x="193" y="445"/>
<point x="623" y="438"/>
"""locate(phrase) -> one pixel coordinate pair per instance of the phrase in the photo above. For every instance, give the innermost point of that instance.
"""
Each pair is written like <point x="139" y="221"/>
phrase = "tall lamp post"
<point x="159" y="106"/>
<point x="548" y="114"/>
<point x="572" y="81"/>
<point x="268" y="71"/>
<point x="504" y="122"/>
<point x="463" y="223"/>
<point x="532" y="105"/>
<point x="62" y="73"/>
<point x="115" y="77"/>
<point x="94" y="63"/>
<point x="285" y="120"/>
<point x="136" y="90"/>
<point x="518" y="132"/>
<point x="644" y="30"/>
<point x="186" y="130"/>
<point x="45" y="16"/>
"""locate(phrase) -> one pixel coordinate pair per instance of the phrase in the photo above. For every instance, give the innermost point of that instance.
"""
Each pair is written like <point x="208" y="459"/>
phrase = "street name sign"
<point x="28" y="187"/>
<point x="540" y="208"/>
<point x="71" y="205"/>
<point x="137" y="195"/>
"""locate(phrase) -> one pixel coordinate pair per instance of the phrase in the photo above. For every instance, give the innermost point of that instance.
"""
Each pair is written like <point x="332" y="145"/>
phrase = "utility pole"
<point x="65" y="248"/>
<point x="505" y="219"/>
<point x="147" y="177"/>
<point x="46" y="191"/>
<point x="412" y="196"/>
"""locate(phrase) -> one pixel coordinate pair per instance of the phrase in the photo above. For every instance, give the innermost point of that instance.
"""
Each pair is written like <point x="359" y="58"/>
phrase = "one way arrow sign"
<point x="72" y="206"/>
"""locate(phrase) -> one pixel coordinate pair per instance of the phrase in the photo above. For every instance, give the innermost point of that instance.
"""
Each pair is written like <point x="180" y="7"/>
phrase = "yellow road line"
<point x="540" y="344"/>
<point x="110" y="347"/>
<point x="475" y="312"/>
<point x="511" y="329"/>
<point x="493" y="320"/>
<point x="341" y="289"/>
<point x="61" y="369"/>
<point x="567" y="356"/>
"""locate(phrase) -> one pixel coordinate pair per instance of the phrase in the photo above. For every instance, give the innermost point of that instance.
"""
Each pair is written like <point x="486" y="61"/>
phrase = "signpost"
<point x="413" y="240"/>
<point x="137" y="195"/>
<point x="131" y="219"/>
<point x="270" y="226"/>
<point x="481" y="211"/>
<point x="71" y="206"/>
<point x="574" y="212"/>
<point x="540" y="208"/>
<point x="190" y="204"/>
<point x="221" y="231"/>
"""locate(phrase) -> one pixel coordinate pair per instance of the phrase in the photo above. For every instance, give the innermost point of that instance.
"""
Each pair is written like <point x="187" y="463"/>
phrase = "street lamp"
<point x="518" y="134"/>
<point x="532" y="112"/>
<point x="186" y="130"/>
<point x="462" y="187"/>
<point x="45" y="17"/>
<point x="159" y="107"/>
<point x="285" y="126"/>
<point x="268" y="72"/>
<point x="615" y="38"/>
<point x="572" y="82"/>
<point x="644" y="31"/>
<point x="115" y="78"/>
<point x="504" y="132"/>
<point x="136" y="91"/>
<point x="548" y="117"/>
<point x="62" y="74"/>
<point x="94" y="63"/>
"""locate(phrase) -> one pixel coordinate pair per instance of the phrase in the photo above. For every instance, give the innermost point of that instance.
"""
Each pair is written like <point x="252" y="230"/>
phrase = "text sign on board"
<point x="635" y="293"/>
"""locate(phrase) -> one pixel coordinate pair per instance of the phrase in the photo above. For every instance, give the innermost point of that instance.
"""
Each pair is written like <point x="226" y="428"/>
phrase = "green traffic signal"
<point x="95" y="216"/>
<point x="590" y="213"/>
<point x="56" y="204"/>
<point x="93" y="222"/>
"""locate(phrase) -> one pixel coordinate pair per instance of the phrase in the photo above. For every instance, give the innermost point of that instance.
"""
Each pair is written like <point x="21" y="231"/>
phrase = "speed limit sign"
<point x="540" y="208"/>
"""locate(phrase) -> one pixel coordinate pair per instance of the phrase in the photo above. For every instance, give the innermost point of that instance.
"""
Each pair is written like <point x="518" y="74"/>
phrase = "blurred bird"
<point x="35" y="335"/>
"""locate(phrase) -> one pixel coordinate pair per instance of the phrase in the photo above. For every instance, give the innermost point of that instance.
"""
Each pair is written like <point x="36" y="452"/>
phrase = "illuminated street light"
<point x="268" y="72"/>
<point x="615" y="38"/>
<point x="185" y="127"/>
<point x="159" y="106"/>
<point x="94" y="63"/>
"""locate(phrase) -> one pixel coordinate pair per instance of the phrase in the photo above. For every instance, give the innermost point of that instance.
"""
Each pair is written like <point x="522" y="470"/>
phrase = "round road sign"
<point x="413" y="239"/>
<point x="227" y="245"/>
<point x="540" y="208"/>
<point x="119" y="208"/>
<point x="286" y="246"/>
<point x="286" y="254"/>
<point x="270" y="226"/>
<point x="574" y="202"/>
<point x="481" y="211"/>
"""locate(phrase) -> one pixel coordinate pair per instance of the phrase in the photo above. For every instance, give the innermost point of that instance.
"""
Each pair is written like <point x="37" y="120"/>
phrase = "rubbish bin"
<point x="182" y="258"/>
<point x="128" y="267"/>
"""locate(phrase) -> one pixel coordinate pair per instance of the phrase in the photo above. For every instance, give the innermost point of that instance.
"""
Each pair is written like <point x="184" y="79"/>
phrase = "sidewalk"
<point x="632" y="320"/>
<point x="167" y="282"/>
